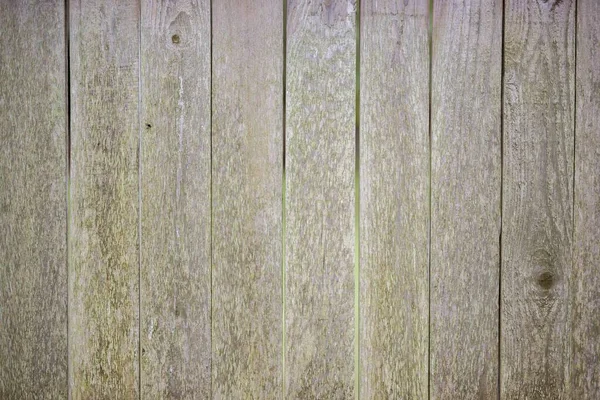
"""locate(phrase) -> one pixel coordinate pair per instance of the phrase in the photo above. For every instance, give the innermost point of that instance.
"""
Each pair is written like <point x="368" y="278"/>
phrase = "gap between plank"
<point x="139" y="159"/>
<point x="574" y="115"/>
<point x="68" y="175"/>
<point x="211" y="198"/>
<point x="357" y="210"/>
<point x="283" y="203"/>
<point x="501" y="206"/>
<point x="430" y="38"/>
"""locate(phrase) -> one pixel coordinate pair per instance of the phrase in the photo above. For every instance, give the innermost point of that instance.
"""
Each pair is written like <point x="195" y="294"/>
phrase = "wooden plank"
<point x="104" y="263"/>
<point x="247" y="198"/>
<point x="539" y="64"/>
<point x="394" y="199"/>
<point x="585" y="285"/>
<point x="320" y="199"/>
<point x="175" y="211"/>
<point x="465" y="199"/>
<point x="33" y="207"/>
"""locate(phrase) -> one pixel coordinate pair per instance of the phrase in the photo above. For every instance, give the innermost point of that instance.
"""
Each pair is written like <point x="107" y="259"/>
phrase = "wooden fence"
<point x="311" y="199"/>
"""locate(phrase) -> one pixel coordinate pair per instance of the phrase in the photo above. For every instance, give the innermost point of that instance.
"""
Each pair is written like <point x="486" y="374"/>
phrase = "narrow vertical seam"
<point x="139" y="200"/>
<point x="210" y="5"/>
<point x="357" y="209"/>
<point x="68" y="176"/>
<point x="430" y="38"/>
<point x="499" y="355"/>
<point x="430" y="34"/>
<point x="574" y="116"/>
<point x="283" y="203"/>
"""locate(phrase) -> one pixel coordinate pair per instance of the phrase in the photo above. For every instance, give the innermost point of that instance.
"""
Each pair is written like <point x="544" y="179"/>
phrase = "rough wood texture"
<point x="394" y="199"/>
<point x="104" y="263"/>
<point x="247" y="198"/>
<point x="320" y="154"/>
<point x="465" y="200"/>
<point x="537" y="198"/>
<point x="175" y="166"/>
<point x="33" y="207"/>
<point x="585" y="286"/>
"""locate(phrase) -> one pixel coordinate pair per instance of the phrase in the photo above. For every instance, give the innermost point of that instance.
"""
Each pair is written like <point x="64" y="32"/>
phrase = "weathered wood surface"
<point x="585" y="285"/>
<point x="162" y="250"/>
<point x="394" y="199"/>
<point x="175" y="307"/>
<point x="33" y="206"/>
<point x="103" y="226"/>
<point x="247" y="172"/>
<point x="465" y="198"/>
<point x="320" y="199"/>
<point x="539" y="65"/>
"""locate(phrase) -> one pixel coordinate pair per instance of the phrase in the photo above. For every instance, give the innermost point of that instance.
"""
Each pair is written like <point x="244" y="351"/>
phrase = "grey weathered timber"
<point x="33" y="206"/>
<point x="103" y="225"/>
<point x="465" y="198"/>
<point x="175" y="209"/>
<point x="247" y="143"/>
<point x="537" y="221"/>
<point x="320" y="199"/>
<point x="394" y="199"/>
<point x="585" y="285"/>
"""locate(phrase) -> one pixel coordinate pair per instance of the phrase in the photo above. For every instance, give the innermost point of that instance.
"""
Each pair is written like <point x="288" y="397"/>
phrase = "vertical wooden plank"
<point x="247" y="198"/>
<point x="394" y="199"/>
<point x="175" y="209"/>
<point x="33" y="207"/>
<point x="585" y="285"/>
<point x="537" y="198"/>
<point x="104" y="263"/>
<point x="320" y="198"/>
<point x="465" y="199"/>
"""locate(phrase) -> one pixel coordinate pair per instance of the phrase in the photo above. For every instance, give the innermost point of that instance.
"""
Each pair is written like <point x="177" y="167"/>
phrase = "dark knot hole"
<point x="546" y="280"/>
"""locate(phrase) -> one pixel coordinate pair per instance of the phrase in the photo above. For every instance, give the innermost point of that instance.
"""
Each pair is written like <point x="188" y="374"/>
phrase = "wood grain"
<point x="104" y="259"/>
<point x="394" y="199"/>
<point x="176" y="215"/>
<point x="465" y="198"/>
<point x="247" y="198"/>
<point x="33" y="207"/>
<point x="585" y="285"/>
<point x="320" y="199"/>
<point x="537" y="198"/>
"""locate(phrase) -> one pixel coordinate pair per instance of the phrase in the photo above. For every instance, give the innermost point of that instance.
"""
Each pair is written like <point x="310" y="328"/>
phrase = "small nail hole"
<point x="175" y="39"/>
